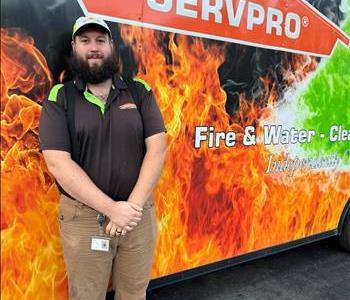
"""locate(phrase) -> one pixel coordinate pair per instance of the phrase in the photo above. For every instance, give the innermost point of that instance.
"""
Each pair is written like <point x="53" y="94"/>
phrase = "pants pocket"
<point x="149" y="203"/>
<point x="68" y="209"/>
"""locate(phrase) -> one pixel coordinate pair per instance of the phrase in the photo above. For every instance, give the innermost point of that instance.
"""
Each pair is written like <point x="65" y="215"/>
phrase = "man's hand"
<point x="112" y="229"/>
<point x="123" y="215"/>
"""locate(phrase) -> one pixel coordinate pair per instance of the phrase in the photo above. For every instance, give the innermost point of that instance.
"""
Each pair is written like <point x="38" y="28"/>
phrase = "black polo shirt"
<point x="110" y="136"/>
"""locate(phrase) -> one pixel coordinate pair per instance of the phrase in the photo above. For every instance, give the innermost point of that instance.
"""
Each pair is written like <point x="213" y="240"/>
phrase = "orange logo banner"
<point x="290" y="25"/>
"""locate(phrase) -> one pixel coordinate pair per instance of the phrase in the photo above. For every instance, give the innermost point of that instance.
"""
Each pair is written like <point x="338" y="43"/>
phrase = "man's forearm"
<point x="77" y="183"/>
<point x="149" y="174"/>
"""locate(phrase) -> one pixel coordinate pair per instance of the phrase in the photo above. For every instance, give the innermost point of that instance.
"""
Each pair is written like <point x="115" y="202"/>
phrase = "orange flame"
<point x="211" y="204"/>
<point x="216" y="204"/>
<point x="298" y="67"/>
<point x="31" y="255"/>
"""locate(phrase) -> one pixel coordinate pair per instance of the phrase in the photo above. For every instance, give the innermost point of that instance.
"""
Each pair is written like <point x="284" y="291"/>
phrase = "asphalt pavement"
<point x="319" y="271"/>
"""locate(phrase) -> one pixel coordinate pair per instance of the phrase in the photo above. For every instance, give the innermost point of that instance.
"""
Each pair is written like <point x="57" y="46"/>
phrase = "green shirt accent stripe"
<point x="145" y="84"/>
<point x="93" y="99"/>
<point x="54" y="92"/>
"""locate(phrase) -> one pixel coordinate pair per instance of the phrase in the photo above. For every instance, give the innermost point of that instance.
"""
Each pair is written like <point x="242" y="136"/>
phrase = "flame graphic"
<point x="31" y="254"/>
<point x="211" y="204"/>
<point x="216" y="204"/>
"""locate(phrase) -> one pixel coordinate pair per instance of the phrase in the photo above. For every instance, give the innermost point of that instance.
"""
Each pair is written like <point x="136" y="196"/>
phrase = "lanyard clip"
<point x="101" y="218"/>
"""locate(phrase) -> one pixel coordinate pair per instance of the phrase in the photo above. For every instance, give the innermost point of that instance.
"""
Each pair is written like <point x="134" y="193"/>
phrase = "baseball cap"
<point x="84" y="21"/>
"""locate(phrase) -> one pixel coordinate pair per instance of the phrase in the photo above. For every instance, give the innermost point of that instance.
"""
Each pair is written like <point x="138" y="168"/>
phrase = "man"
<point x="107" y="166"/>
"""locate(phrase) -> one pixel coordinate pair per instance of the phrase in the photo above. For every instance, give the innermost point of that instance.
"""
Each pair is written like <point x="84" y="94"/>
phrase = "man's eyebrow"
<point x="82" y="36"/>
<point x="100" y="36"/>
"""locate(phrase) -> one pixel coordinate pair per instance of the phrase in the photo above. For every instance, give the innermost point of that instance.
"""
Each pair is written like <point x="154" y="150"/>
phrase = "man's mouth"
<point x="94" y="59"/>
<point x="95" y="56"/>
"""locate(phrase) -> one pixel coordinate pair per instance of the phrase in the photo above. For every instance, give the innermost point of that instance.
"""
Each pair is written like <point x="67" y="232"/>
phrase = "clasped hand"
<point x="123" y="218"/>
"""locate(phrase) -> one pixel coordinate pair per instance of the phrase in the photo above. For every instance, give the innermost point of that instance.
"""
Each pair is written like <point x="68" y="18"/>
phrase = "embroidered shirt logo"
<point x="127" y="106"/>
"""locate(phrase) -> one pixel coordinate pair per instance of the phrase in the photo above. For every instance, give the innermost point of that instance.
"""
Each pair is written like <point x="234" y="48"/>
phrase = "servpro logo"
<point x="289" y="25"/>
<point x="273" y="20"/>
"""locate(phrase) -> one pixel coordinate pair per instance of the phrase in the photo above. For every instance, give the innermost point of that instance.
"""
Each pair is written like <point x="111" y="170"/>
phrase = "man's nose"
<point x="93" y="46"/>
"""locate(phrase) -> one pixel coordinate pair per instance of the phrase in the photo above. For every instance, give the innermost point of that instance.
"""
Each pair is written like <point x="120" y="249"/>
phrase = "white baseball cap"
<point x="84" y="21"/>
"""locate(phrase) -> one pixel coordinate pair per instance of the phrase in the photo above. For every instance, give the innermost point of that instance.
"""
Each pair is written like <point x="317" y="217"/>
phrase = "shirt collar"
<point x="118" y="82"/>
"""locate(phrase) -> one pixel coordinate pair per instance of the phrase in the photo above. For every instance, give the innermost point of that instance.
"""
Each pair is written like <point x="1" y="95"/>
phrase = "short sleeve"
<point x="152" y="118"/>
<point x="53" y="126"/>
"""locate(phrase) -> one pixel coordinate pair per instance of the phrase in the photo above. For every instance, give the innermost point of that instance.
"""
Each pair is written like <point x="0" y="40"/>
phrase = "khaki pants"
<point x="130" y="257"/>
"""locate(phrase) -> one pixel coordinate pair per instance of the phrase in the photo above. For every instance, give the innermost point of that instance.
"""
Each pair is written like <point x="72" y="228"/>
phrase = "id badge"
<point x="100" y="243"/>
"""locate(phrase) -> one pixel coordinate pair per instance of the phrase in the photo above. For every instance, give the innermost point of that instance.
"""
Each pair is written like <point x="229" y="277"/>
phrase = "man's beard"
<point x="96" y="73"/>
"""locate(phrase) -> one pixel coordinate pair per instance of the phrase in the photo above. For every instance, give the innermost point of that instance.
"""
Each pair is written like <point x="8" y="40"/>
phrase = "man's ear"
<point x="111" y="44"/>
<point x="73" y="45"/>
